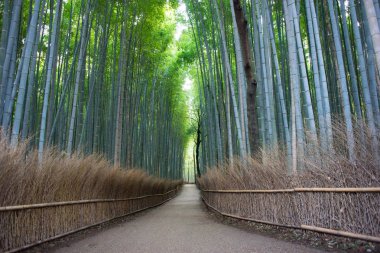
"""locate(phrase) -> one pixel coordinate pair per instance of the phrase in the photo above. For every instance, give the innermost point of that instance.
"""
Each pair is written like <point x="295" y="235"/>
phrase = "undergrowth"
<point x="23" y="180"/>
<point x="355" y="212"/>
<point x="318" y="167"/>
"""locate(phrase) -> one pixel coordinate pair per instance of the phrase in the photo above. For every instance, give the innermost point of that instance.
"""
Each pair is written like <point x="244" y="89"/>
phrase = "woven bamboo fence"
<point x="27" y="225"/>
<point x="350" y="212"/>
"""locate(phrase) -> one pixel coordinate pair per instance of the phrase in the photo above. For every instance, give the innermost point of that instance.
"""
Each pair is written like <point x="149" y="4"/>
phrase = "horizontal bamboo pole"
<point x="84" y="228"/>
<point x="76" y="202"/>
<point x="348" y="190"/>
<point x="247" y="219"/>
<point x="250" y="191"/>
<point x="354" y="190"/>
<point x="305" y="227"/>
<point x="341" y="233"/>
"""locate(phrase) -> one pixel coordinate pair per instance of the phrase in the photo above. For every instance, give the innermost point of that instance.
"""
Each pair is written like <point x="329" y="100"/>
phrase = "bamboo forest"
<point x="258" y="121"/>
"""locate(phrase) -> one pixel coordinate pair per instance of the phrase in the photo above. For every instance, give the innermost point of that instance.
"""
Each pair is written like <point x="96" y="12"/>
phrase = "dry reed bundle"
<point x="61" y="179"/>
<point x="356" y="212"/>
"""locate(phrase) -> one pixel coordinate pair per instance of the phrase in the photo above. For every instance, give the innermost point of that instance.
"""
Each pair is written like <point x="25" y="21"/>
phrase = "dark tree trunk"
<point x="251" y="82"/>
<point x="197" y="145"/>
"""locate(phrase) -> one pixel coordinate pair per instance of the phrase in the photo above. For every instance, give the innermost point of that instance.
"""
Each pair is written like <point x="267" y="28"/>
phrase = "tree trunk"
<point x="374" y="30"/>
<point x="49" y="81"/>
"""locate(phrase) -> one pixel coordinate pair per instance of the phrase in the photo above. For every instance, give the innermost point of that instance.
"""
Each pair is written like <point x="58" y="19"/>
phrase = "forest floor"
<point x="181" y="225"/>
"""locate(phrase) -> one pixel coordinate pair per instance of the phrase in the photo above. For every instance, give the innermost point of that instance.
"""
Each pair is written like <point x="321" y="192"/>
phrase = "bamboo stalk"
<point x="66" y="203"/>
<point x="353" y="190"/>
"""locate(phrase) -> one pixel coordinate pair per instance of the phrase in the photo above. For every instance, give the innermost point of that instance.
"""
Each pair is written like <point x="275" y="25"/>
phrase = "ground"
<point x="181" y="225"/>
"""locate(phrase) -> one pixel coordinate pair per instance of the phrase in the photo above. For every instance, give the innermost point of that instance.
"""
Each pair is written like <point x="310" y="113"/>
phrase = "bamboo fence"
<point x="25" y="226"/>
<point x="349" y="212"/>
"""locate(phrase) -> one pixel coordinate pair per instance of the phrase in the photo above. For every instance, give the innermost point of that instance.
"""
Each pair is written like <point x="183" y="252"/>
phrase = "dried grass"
<point x="351" y="212"/>
<point x="60" y="178"/>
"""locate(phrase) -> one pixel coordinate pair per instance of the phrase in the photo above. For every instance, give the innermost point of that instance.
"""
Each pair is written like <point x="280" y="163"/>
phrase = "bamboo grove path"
<point x="181" y="225"/>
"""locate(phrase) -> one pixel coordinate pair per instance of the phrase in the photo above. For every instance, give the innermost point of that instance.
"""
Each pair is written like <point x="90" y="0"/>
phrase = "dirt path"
<point x="181" y="225"/>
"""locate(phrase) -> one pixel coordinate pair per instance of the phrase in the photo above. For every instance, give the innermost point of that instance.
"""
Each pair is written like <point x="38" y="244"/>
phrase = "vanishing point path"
<point x="181" y="225"/>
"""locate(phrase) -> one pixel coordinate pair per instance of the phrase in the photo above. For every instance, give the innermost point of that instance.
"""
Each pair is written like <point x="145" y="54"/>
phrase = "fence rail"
<point x="66" y="203"/>
<point x="366" y="189"/>
<point x="25" y="226"/>
<point x="349" y="212"/>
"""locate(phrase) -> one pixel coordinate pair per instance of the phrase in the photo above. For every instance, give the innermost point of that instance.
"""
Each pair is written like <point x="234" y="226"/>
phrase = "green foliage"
<point x="129" y="75"/>
<point x="187" y="49"/>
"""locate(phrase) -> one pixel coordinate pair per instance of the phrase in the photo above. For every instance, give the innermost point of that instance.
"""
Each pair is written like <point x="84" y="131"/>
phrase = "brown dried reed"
<point x="60" y="178"/>
<point x="23" y="181"/>
<point x="351" y="212"/>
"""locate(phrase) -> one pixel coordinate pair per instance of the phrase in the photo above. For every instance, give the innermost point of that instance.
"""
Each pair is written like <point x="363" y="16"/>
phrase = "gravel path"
<point x="181" y="225"/>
